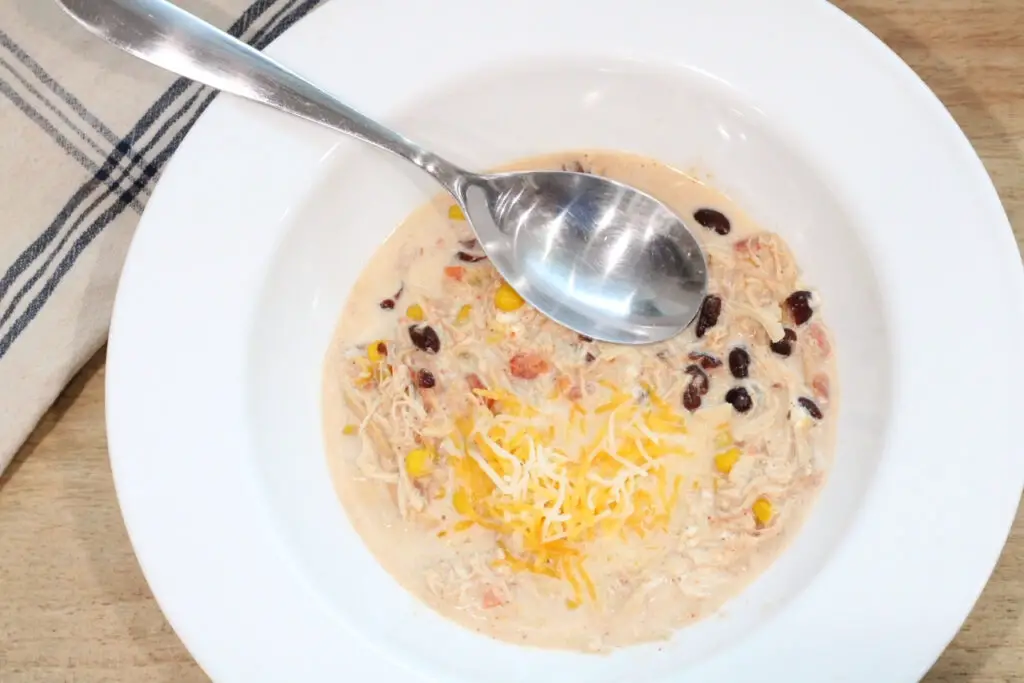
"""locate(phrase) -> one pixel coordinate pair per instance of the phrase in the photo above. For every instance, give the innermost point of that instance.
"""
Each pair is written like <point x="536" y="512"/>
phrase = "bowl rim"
<point x="209" y="609"/>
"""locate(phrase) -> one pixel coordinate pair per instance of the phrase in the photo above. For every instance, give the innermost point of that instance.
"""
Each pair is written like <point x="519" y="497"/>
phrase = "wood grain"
<point x="74" y="606"/>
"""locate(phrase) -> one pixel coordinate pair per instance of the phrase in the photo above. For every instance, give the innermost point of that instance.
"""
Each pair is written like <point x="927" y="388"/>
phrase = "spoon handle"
<point x="169" y="37"/>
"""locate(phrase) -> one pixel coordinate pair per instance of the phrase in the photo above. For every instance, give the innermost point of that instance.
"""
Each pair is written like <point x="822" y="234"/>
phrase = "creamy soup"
<point x="543" y="488"/>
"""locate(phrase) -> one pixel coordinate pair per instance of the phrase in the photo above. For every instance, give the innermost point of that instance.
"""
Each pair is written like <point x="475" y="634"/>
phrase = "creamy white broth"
<point x="709" y="543"/>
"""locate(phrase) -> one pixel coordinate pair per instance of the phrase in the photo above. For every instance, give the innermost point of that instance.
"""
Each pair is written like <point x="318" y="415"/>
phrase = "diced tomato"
<point x="528" y="365"/>
<point x="819" y="339"/>
<point x="820" y="387"/>
<point x="492" y="599"/>
<point x="455" y="272"/>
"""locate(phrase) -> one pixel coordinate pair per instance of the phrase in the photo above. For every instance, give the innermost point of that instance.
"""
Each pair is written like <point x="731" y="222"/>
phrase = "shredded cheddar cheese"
<point x="548" y="482"/>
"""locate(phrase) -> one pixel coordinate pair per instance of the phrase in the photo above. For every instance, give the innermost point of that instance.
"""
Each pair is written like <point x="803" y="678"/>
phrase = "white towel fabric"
<point x="84" y="133"/>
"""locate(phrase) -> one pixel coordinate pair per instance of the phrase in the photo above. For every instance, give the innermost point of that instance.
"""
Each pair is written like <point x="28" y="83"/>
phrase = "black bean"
<point x="585" y="338"/>
<point x="811" y="407"/>
<point x="382" y="348"/>
<point x="425" y="338"/>
<point x="389" y="303"/>
<point x="697" y="387"/>
<point x="698" y="379"/>
<point x="739" y="398"/>
<point x="425" y="379"/>
<point x="799" y="304"/>
<point x="590" y="358"/>
<point x="710" y="309"/>
<point x="739" y="363"/>
<point x="706" y="360"/>
<point x="691" y="398"/>
<point x="713" y="220"/>
<point x="469" y="258"/>
<point x="784" y="347"/>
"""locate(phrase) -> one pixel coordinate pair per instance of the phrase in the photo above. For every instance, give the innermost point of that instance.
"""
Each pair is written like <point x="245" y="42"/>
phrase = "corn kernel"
<point x="350" y="430"/>
<point x="455" y="273"/>
<point x="463" y="315"/>
<point x="460" y="500"/>
<point x="455" y="213"/>
<point x="726" y="460"/>
<point x="417" y="462"/>
<point x="723" y="439"/>
<point x="507" y="299"/>
<point x="762" y="509"/>
<point x="377" y="351"/>
<point x="414" y="312"/>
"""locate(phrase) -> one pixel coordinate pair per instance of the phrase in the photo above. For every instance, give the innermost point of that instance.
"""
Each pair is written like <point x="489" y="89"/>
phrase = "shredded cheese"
<point x="548" y="491"/>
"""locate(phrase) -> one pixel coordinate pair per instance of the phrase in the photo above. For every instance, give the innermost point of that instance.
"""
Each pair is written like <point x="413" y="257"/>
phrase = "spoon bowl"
<point x="595" y="255"/>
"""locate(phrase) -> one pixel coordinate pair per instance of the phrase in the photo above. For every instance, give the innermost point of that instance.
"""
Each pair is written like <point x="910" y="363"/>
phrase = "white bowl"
<point x="261" y="224"/>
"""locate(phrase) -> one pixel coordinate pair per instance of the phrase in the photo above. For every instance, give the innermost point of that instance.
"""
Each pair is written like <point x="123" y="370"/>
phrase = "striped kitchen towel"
<point x="84" y="133"/>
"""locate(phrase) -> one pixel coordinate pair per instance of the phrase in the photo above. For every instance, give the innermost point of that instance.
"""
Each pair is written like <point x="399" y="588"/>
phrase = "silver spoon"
<point x="595" y="255"/>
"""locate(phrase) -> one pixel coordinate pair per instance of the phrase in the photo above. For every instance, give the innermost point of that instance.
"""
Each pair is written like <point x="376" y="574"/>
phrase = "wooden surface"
<point x="74" y="606"/>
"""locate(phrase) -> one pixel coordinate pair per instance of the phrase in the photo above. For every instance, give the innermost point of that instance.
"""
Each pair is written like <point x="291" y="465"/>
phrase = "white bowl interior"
<point x="679" y="116"/>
